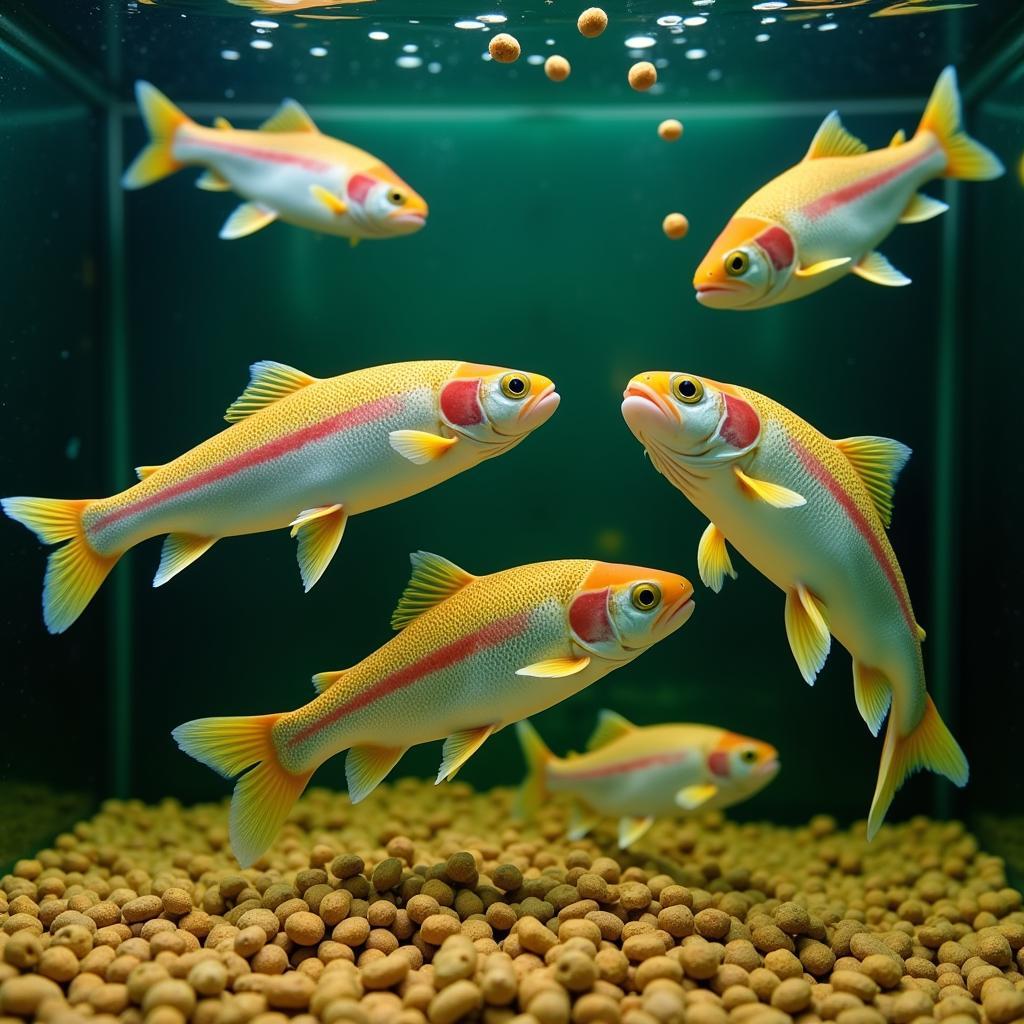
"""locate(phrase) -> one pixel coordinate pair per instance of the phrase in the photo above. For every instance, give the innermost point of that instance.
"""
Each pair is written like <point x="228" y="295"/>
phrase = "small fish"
<point x="475" y="653"/>
<point x="825" y="217"/>
<point x="301" y="452"/>
<point x="639" y="773"/>
<point x="286" y="170"/>
<point x="810" y="514"/>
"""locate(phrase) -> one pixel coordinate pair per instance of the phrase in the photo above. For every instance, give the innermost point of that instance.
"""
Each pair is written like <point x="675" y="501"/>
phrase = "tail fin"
<point x="535" y="789"/>
<point x="163" y="119"/>
<point x="966" y="158"/>
<point x="930" y="745"/>
<point x="75" y="571"/>
<point x="263" y="796"/>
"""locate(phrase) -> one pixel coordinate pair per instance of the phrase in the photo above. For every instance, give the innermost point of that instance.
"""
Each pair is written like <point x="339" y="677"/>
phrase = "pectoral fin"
<point x="418" y="446"/>
<point x="713" y="562"/>
<point x="774" y="494"/>
<point x="819" y="268"/>
<point x="180" y="551"/>
<point x="631" y="829"/>
<point x="873" y="695"/>
<point x="333" y="203"/>
<point x="319" y="531"/>
<point x="874" y="267"/>
<point x="367" y="767"/>
<point x="247" y="220"/>
<point x="555" y="668"/>
<point x="689" y="798"/>
<point x="807" y="629"/>
<point x="459" y="748"/>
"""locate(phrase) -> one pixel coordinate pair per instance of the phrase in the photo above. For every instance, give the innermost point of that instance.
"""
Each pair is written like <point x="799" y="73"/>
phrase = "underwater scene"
<point x="511" y="514"/>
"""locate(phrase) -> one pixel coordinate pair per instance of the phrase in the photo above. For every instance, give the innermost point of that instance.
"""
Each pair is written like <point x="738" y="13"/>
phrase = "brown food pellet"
<point x="557" y="68"/>
<point x="642" y="75"/>
<point x="504" y="48"/>
<point x="670" y="129"/>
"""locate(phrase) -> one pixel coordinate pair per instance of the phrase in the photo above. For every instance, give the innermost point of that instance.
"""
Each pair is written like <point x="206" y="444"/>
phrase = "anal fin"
<point x="212" y="181"/>
<point x="319" y="531"/>
<point x="631" y="829"/>
<point x="180" y="550"/>
<point x="459" y="748"/>
<point x="713" y="562"/>
<point x="807" y="630"/>
<point x="366" y="768"/>
<point x="247" y="219"/>
<point x="922" y="207"/>
<point x="874" y="267"/>
<point x="873" y="694"/>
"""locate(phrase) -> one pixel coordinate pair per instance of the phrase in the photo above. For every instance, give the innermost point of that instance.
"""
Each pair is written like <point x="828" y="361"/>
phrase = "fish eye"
<point x="748" y="756"/>
<point x="515" y="385"/>
<point x="737" y="263"/>
<point x="688" y="390"/>
<point x="397" y="197"/>
<point x="645" y="596"/>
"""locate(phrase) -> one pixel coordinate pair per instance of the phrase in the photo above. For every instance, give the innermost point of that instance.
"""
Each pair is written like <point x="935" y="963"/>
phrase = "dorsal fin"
<point x="143" y="471"/>
<point x="832" y="139"/>
<point x="268" y="381"/>
<point x="898" y="138"/>
<point x="610" y="726"/>
<point x="433" y="579"/>
<point x="222" y="124"/>
<point x="289" y="117"/>
<point x="325" y="680"/>
<point x="878" y="461"/>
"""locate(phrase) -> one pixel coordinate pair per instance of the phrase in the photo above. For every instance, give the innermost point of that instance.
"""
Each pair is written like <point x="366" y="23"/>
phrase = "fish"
<point x="472" y="655"/>
<point x="811" y="515"/>
<point x="302" y="453"/>
<point x="825" y="217"/>
<point x="286" y="170"/>
<point x="640" y="773"/>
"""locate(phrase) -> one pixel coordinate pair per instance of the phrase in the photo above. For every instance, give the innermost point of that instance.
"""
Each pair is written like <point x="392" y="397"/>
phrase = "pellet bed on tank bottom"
<point x="427" y="905"/>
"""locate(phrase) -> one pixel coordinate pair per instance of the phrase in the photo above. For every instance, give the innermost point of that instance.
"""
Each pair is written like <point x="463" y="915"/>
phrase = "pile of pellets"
<point x="433" y="905"/>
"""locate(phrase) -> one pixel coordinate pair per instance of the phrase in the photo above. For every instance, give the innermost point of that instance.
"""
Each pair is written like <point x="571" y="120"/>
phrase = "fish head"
<point x="495" y="405"/>
<point x="688" y="418"/>
<point x="742" y="762"/>
<point x="388" y="203"/>
<point x="621" y="610"/>
<point x="747" y="264"/>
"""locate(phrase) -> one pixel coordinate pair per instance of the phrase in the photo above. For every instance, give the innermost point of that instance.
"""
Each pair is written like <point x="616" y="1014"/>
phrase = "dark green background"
<point x="544" y="252"/>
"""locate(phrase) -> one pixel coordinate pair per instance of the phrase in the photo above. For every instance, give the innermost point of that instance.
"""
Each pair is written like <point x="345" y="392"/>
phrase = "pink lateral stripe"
<point x="820" y="472"/>
<point x="828" y="202"/>
<point x="270" y="155"/>
<point x="368" y="412"/>
<point x="494" y="634"/>
<point x="622" y="767"/>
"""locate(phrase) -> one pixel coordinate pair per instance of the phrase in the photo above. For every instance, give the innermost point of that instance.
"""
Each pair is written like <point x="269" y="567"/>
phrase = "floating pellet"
<point x="670" y="129"/>
<point x="557" y="68"/>
<point x="504" y="48"/>
<point x="642" y="75"/>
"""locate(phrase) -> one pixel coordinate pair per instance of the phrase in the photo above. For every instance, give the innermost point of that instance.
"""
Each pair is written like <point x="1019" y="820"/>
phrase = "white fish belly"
<point x="636" y="793"/>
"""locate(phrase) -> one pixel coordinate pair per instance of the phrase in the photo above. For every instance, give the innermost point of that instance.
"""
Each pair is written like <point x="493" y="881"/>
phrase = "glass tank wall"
<point x="129" y="327"/>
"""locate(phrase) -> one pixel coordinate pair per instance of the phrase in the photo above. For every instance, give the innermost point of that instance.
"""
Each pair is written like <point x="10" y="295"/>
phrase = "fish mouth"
<point x="413" y="221"/>
<point x="669" y="615"/>
<point x="768" y="769"/>
<point x="648" y="396"/>
<point x="712" y="295"/>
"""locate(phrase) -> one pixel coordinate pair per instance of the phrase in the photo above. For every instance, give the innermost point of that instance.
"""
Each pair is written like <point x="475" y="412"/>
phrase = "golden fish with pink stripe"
<point x="640" y="773"/>
<point x="474" y="654"/>
<point x="286" y="170"/>
<point x="825" y="217"/>
<point x="301" y="452"/>
<point x="809" y="513"/>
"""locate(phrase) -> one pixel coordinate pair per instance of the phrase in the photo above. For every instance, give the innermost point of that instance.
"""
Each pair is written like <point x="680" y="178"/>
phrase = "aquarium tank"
<point x="664" y="359"/>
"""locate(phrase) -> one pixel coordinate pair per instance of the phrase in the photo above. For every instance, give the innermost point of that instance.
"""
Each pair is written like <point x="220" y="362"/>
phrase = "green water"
<point x="128" y="327"/>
